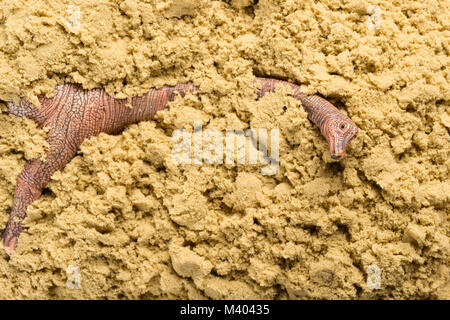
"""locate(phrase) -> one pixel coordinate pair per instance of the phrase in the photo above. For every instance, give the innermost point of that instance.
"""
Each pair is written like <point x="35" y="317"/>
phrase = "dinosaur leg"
<point x="30" y="184"/>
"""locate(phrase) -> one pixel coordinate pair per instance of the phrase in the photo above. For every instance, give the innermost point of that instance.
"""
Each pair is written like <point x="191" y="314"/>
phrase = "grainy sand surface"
<point x="137" y="225"/>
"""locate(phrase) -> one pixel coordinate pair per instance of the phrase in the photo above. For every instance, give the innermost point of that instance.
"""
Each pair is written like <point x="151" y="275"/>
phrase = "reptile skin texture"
<point x="74" y="115"/>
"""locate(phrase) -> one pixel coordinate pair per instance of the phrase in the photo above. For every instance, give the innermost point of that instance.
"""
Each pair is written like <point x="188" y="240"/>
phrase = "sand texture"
<point x="137" y="225"/>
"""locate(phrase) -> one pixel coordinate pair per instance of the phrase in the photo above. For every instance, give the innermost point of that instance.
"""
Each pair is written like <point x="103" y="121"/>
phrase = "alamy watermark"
<point x="74" y="277"/>
<point x="74" y="18"/>
<point x="374" y="20"/>
<point x="373" y="277"/>
<point x="212" y="146"/>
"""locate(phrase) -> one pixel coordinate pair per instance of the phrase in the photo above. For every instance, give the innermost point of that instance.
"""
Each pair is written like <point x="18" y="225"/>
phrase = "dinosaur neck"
<point x="145" y="107"/>
<point x="318" y="108"/>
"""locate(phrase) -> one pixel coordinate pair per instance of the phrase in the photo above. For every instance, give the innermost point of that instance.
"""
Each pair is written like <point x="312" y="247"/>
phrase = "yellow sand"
<point x="139" y="226"/>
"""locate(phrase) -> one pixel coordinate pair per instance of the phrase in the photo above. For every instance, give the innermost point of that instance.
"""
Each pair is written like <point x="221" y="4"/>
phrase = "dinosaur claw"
<point x="9" y="244"/>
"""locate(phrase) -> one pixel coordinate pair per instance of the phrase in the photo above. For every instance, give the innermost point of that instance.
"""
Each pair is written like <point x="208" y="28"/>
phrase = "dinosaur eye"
<point x="342" y="126"/>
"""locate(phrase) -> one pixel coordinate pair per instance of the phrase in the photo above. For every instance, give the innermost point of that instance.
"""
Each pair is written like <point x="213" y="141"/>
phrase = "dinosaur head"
<point x="341" y="131"/>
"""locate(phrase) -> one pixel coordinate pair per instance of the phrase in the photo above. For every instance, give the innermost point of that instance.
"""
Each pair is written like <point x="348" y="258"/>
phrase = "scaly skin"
<point x="74" y="115"/>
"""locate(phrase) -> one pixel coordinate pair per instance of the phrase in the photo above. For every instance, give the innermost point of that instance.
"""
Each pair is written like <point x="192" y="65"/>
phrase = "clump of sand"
<point x="137" y="225"/>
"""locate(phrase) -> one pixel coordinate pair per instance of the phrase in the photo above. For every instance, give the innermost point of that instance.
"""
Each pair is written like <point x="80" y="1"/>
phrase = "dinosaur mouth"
<point x="337" y="150"/>
<point x="338" y="156"/>
<point x="338" y="145"/>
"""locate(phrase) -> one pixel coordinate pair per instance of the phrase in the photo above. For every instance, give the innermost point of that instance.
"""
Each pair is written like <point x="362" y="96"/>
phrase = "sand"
<point x="123" y="221"/>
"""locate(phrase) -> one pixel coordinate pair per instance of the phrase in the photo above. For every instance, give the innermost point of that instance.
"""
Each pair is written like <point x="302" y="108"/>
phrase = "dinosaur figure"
<point x="74" y="115"/>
